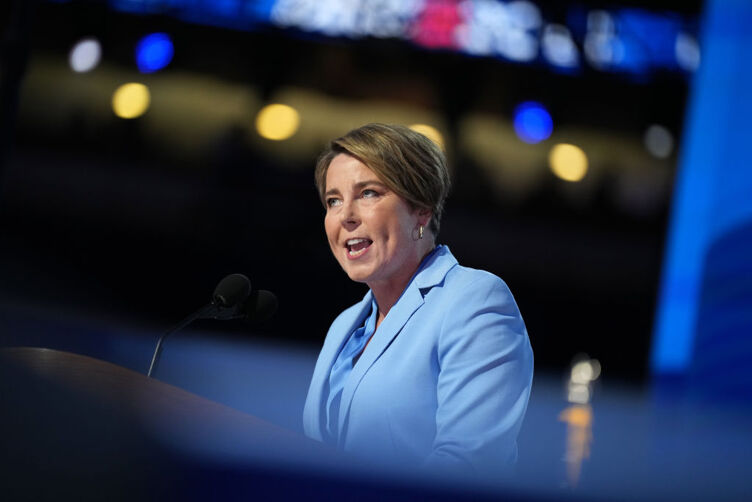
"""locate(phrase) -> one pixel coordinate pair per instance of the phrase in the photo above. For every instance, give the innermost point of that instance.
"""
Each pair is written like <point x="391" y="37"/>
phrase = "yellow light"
<point x="277" y="122"/>
<point x="568" y="162"/>
<point x="130" y="100"/>
<point x="429" y="132"/>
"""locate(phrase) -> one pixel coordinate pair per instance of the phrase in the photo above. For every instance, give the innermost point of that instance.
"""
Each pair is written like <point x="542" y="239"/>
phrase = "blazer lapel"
<point x="338" y="334"/>
<point x="392" y="324"/>
<point x="431" y="274"/>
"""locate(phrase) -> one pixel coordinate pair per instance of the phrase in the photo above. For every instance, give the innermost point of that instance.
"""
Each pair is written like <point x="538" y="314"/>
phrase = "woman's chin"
<point x="357" y="275"/>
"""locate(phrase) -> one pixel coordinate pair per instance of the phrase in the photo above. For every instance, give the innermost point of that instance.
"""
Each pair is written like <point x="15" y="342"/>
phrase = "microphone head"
<point x="261" y="306"/>
<point x="232" y="291"/>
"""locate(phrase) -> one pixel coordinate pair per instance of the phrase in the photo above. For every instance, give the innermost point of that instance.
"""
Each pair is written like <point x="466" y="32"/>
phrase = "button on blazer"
<point x="444" y="381"/>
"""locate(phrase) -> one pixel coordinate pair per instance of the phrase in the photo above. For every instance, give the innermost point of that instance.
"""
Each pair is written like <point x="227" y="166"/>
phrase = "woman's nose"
<point x="349" y="215"/>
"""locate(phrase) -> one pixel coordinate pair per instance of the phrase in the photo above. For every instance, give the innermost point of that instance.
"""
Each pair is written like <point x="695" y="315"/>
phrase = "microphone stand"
<point x="201" y="313"/>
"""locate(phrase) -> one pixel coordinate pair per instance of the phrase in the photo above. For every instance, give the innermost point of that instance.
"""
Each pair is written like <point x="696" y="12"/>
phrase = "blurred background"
<point x="150" y="147"/>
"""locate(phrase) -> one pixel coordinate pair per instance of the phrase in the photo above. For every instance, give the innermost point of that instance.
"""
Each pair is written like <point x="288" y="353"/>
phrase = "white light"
<point x="558" y="46"/>
<point x="582" y="373"/>
<point x="519" y="46"/>
<point x="332" y="17"/>
<point x="493" y="27"/>
<point x="485" y="14"/>
<point x="578" y="393"/>
<point x="524" y="15"/>
<point x="387" y="18"/>
<point x="659" y="141"/>
<point x="85" y="55"/>
<point x="687" y="52"/>
<point x="485" y="27"/>
<point x="602" y="47"/>
<point x="473" y="40"/>
<point x="597" y="49"/>
<point x="476" y="35"/>
<point x="521" y="42"/>
<point x="603" y="50"/>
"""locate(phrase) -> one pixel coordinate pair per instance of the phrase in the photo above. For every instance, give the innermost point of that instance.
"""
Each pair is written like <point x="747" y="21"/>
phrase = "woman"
<point x="434" y="365"/>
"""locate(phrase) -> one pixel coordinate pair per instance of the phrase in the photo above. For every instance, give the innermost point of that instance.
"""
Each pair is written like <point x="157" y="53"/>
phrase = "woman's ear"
<point x="424" y="216"/>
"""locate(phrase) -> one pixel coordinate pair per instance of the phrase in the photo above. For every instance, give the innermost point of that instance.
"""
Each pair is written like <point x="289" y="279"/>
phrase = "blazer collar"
<point x="430" y="273"/>
<point x="435" y="268"/>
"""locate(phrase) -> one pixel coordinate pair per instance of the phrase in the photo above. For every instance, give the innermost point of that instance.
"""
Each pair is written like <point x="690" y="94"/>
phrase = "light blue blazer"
<point x="444" y="381"/>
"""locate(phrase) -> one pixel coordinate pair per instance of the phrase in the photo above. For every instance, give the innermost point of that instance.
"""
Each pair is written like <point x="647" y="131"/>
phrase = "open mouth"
<point x="356" y="247"/>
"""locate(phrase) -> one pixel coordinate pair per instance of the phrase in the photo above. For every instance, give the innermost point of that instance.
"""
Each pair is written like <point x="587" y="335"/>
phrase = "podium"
<point x="78" y="427"/>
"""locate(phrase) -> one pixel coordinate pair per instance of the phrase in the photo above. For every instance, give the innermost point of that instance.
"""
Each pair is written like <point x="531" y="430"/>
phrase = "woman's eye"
<point x="332" y="202"/>
<point x="369" y="193"/>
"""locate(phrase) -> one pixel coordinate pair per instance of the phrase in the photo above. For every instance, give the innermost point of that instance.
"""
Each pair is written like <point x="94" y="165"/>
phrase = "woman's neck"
<point x="387" y="293"/>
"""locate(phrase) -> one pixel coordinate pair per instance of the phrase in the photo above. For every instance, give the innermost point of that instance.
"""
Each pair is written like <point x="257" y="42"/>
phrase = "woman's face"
<point x="370" y="228"/>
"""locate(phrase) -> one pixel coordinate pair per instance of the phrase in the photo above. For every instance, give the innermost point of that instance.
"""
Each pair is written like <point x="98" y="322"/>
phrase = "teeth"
<point x="363" y="244"/>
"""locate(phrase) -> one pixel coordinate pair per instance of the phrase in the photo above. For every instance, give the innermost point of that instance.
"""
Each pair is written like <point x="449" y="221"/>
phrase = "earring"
<point x="420" y="232"/>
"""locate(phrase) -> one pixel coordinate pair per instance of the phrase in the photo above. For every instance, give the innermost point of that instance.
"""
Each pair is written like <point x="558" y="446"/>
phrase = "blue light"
<point x="153" y="52"/>
<point x="532" y="122"/>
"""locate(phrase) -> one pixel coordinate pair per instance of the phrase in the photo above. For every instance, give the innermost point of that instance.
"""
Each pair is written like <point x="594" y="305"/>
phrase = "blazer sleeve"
<point x="485" y="375"/>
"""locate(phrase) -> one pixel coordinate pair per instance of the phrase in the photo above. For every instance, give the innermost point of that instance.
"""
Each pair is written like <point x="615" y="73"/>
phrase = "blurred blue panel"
<point x="712" y="201"/>
<point x="721" y="367"/>
<point x="642" y="41"/>
<point x="260" y="10"/>
<point x="141" y="6"/>
<point x="650" y="39"/>
<point x="223" y="7"/>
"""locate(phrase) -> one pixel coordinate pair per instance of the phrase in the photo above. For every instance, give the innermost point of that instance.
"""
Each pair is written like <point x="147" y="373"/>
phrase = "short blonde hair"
<point x="407" y="162"/>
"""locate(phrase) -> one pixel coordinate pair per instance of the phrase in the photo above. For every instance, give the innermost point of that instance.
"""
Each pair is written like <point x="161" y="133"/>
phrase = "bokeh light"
<point x="85" y="55"/>
<point x="532" y="122"/>
<point x="687" y="52"/>
<point x="584" y="372"/>
<point x="154" y="52"/>
<point x="277" y="122"/>
<point x="558" y="47"/>
<point x="429" y="132"/>
<point x="131" y="100"/>
<point x="568" y="162"/>
<point x="658" y="141"/>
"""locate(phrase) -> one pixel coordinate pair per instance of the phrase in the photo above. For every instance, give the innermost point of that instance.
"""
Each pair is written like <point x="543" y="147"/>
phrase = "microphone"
<point x="260" y="306"/>
<point x="228" y="300"/>
<point x="232" y="290"/>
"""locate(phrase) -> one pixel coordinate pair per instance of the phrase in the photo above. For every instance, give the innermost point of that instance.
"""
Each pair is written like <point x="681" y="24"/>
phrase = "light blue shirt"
<point x="343" y="367"/>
